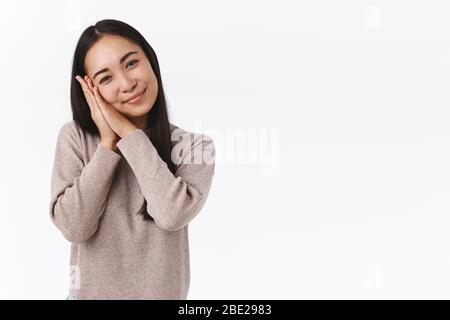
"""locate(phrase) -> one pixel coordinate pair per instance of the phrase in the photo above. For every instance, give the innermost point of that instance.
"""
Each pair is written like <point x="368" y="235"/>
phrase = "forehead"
<point x="107" y="51"/>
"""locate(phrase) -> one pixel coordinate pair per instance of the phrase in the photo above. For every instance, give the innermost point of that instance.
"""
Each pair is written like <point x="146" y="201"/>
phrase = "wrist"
<point x="127" y="131"/>
<point x="109" y="143"/>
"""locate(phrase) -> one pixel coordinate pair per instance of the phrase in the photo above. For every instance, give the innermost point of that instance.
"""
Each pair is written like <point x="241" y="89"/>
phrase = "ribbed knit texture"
<point x="97" y="198"/>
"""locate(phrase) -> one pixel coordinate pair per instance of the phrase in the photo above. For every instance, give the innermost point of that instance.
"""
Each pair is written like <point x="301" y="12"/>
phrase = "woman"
<point x="126" y="182"/>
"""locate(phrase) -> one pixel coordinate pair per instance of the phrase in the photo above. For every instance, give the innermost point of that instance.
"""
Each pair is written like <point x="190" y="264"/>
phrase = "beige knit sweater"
<point x="97" y="198"/>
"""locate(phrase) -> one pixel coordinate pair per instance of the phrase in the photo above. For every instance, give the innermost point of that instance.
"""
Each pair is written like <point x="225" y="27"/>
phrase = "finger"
<point x="89" y="83"/>
<point x="106" y="110"/>
<point x="99" y="99"/>
<point x="83" y="83"/>
<point x="103" y="107"/>
<point x="87" y="93"/>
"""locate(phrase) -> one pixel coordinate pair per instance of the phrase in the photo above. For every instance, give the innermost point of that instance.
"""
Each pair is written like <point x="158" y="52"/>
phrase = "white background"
<point x="357" y="91"/>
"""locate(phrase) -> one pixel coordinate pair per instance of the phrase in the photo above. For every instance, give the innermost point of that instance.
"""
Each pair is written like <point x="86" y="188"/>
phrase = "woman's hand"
<point x="116" y="120"/>
<point x="107" y="135"/>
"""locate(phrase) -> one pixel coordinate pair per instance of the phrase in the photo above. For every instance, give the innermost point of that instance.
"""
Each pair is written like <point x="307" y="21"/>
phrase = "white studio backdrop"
<point x="330" y="120"/>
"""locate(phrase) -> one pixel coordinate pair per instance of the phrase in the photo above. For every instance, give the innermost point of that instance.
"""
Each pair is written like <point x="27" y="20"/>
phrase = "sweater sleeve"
<point x="78" y="191"/>
<point x="173" y="200"/>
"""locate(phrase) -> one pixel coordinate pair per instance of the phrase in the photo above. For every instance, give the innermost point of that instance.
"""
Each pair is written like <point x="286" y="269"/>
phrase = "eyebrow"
<point x="121" y="60"/>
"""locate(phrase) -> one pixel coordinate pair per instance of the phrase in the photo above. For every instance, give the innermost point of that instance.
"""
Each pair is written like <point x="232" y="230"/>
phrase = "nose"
<point x="127" y="84"/>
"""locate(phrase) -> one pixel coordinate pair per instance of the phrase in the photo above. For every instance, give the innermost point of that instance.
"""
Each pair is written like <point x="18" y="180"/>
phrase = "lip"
<point x="136" y="97"/>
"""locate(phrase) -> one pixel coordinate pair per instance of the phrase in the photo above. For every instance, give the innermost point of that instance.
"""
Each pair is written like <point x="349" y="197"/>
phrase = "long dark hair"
<point x="158" y="119"/>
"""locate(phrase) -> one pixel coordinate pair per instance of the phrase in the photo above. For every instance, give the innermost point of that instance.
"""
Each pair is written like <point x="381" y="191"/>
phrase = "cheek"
<point x="153" y="82"/>
<point x="108" y="94"/>
<point x="150" y="76"/>
<point x="155" y="86"/>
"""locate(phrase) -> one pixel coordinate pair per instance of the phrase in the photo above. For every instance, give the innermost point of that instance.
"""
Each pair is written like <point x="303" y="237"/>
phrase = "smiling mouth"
<point x="137" y="98"/>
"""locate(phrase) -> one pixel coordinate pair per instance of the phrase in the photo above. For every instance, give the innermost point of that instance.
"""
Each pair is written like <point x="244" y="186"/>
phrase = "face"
<point x="121" y="70"/>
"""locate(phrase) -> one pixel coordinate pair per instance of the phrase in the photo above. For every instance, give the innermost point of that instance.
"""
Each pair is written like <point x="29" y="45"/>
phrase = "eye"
<point x="104" y="79"/>
<point x="132" y="62"/>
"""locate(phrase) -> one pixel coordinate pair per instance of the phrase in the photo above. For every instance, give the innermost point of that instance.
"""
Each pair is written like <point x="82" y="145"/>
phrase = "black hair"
<point x="158" y="119"/>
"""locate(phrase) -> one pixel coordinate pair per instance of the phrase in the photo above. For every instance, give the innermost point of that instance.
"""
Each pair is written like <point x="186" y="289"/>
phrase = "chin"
<point x="135" y="114"/>
<point x="137" y="111"/>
